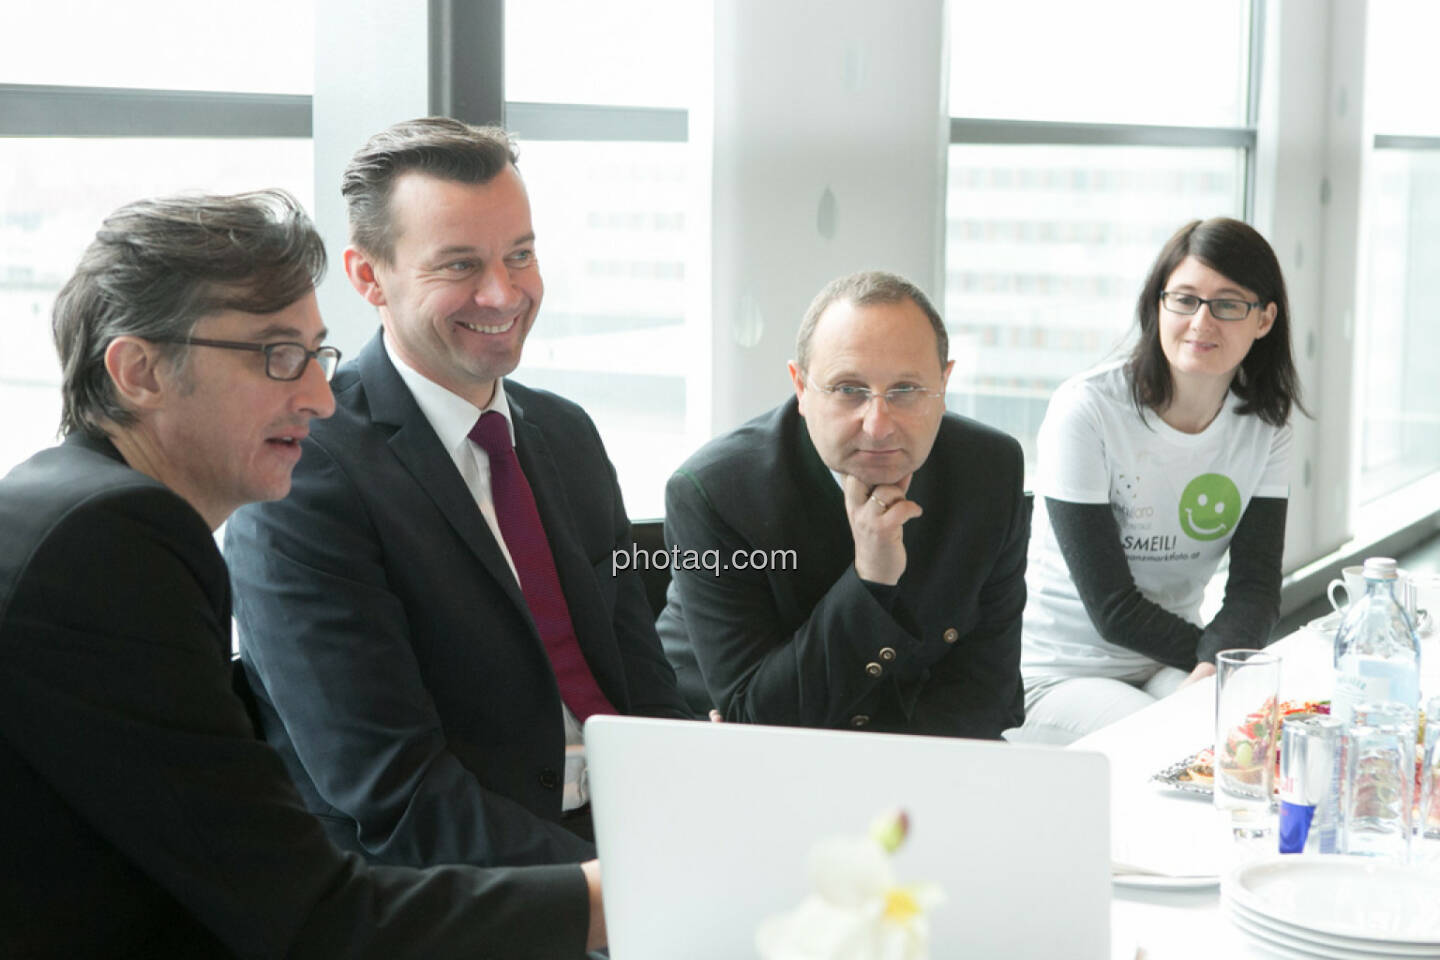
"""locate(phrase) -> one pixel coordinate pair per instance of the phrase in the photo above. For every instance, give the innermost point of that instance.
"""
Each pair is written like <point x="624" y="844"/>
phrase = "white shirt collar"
<point x="450" y="415"/>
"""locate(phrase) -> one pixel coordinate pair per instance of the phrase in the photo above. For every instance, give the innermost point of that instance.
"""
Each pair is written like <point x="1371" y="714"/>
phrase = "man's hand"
<point x="596" y="937"/>
<point x="877" y="515"/>
<point x="1200" y="672"/>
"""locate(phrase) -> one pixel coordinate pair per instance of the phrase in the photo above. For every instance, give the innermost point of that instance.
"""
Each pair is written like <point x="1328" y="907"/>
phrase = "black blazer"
<point x="814" y="645"/>
<point x="396" y="666"/>
<point x="143" y="816"/>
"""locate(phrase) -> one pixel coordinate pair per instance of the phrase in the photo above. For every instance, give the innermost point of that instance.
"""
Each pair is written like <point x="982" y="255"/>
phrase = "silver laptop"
<point x="705" y="829"/>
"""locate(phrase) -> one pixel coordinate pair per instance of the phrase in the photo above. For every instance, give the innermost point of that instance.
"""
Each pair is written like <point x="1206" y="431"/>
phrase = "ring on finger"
<point x="880" y="503"/>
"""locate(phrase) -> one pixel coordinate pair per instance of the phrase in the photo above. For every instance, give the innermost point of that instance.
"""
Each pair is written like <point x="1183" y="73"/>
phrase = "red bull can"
<point x="1309" y="784"/>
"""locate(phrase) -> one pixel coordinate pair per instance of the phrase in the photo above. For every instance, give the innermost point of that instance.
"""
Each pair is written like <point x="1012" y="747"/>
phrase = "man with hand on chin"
<point x="901" y="609"/>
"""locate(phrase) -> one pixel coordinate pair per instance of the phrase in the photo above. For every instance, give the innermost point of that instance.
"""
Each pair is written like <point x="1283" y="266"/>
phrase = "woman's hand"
<point x="1200" y="672"/>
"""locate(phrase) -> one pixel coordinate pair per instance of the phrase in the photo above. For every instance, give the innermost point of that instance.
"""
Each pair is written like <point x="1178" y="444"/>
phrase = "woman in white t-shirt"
<point x="1149" y="471"/>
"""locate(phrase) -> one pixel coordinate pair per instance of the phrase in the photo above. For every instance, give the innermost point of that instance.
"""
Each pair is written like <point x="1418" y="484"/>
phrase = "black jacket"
<point x="395" y="663"/>
<point x="143" y="816"/>
<point x="813" y="645"/>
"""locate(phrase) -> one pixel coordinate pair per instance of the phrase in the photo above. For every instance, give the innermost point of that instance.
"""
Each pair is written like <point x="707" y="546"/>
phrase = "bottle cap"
<point x="1380" y="568"/>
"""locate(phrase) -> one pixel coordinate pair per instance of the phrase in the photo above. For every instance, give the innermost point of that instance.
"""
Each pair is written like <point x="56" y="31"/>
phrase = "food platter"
<point x="1195" y="773"/>
<point x="1185" y="775"/>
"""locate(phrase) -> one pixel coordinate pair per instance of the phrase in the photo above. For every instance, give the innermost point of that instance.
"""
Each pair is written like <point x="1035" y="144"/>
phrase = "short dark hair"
<point x="157" y="267"/>
<point x="1266" y="382"/>
<point x="863" y="289"/>
<point x="437" y="146"/>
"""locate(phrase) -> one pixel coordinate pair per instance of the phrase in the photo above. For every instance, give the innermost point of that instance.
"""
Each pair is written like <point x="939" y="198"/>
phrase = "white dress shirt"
<point x="452" y="417"/>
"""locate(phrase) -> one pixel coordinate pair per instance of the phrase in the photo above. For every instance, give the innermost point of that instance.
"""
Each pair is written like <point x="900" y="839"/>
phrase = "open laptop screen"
<point x="704" y="830"/>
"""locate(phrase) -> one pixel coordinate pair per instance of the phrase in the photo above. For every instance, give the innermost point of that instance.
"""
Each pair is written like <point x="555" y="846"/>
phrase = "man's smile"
<point x="497" y="328"/>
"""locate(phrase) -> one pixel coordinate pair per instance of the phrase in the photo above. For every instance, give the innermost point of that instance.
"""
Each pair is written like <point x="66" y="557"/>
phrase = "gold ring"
<point x="882" y="504"/>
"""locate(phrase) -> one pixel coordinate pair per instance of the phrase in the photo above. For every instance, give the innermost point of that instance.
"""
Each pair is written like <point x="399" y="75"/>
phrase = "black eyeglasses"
<point x="283" y="361"/>
<point x="1225" y="308"/>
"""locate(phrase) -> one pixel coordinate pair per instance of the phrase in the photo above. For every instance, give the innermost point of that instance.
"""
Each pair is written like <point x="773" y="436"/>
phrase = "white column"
<point x="830" y="132"/>
<point x="1308" y="206"/>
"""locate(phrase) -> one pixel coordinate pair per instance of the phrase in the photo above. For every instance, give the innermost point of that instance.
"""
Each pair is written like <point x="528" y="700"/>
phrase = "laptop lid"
<point x="705" y="829"/>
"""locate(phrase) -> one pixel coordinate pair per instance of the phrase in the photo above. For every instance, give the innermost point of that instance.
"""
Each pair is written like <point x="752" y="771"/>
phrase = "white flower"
<point x="858" y="911"/>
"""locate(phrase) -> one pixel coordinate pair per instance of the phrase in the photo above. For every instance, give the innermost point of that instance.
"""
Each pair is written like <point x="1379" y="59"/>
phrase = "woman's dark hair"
<point x="1266" y="381"/>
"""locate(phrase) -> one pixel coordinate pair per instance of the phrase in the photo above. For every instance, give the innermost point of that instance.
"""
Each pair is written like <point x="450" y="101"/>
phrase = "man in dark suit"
<point x="431" y="614"/>
<point x="144" y="818"/>
<point x="890" y="536"/>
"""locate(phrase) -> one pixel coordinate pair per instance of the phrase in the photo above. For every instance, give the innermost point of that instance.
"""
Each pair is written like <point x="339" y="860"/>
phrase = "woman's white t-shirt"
<point x="1177" y="498"/>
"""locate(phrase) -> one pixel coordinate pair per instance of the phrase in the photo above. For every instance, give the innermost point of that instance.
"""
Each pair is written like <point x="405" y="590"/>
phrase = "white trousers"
<point x="1061" y="710"/>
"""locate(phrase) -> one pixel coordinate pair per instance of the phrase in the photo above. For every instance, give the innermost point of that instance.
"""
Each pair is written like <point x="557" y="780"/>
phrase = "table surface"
<point x="1161" y="829"/>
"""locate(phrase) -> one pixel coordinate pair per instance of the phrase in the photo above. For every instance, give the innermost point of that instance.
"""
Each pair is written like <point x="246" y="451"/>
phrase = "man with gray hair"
<point x="431" y="615"/>
<point x="903" y="530"/>
<point x="144" y="817"/>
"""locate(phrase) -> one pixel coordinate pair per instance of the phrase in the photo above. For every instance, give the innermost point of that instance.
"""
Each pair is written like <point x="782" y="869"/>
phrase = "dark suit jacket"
<point x="813" y="645"/>
<point x="397" y="668"/>
<point x="144" y="818"/>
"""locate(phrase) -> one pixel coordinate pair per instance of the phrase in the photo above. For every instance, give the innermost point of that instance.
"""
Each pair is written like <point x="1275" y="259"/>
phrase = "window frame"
<point x="47" y="110"/>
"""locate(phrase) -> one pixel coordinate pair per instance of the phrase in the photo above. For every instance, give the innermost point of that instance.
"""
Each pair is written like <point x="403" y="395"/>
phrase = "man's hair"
<point x="157" y="267"/>
<point x="435" y="146"/>
<point x="1267" y="381"/>
<point x="864" y="289"/>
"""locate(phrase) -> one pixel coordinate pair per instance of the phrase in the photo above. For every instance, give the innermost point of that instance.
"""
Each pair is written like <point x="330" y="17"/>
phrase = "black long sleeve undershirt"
<point x="1089" y="539"/>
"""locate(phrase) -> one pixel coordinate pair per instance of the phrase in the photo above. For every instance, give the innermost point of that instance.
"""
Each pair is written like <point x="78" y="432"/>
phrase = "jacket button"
<point x="549" y="779"/>
<point x="952" y="635"/>
<point x="874" y="669"/>
<point x="887" y="654"/>
<point x="859" y="720"/>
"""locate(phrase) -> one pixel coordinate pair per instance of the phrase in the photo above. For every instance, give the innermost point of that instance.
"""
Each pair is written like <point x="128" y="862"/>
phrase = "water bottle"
<point x="1377" y="655"/>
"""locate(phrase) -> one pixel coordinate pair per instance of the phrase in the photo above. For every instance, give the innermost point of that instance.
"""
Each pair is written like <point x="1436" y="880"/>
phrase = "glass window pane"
<point x="1046" y="249"/>
<point x="53" y="194"/>
<point x="1180" y="64"/>
<point x="264" y="46"/>
<point x="1400" y="69"/>
<point x="1399" y="398"/>
<point x="610" y="227"/>
<point x="639" y="53"/>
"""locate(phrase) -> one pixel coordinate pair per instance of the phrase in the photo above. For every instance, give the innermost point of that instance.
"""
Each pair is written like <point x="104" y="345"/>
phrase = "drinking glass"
<point x="1427" y="832"/>
<point x="1377" y="795"/>
<point x="1246" y="723"/>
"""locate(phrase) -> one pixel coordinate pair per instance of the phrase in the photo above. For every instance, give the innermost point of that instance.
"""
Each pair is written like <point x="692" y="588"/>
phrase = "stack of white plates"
<point x="1338" y="908"/>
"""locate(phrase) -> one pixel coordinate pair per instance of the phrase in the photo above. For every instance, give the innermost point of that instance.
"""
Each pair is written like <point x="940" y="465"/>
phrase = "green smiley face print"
<point x="1209" y="507"/>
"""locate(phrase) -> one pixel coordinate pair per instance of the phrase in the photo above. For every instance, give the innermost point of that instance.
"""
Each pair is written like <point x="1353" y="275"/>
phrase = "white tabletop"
<point x="1156" y="828"/>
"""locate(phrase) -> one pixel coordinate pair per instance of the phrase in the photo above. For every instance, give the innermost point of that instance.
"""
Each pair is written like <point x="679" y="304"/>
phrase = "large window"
<point x="1121" y="61"/>
<point x="1047" y="247"/>
<point x="1397" y="338"/>
<point x="264" y="46"/>
<point x="604" y="152"/>
<point x="53" y="195"/>
<point x="610" y="223"/>
<point x="1073" y="157"/>
<point x="69" y="154"/>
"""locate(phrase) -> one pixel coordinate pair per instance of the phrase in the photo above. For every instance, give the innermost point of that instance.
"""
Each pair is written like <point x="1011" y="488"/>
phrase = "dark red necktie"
<point x="535" y="564"/>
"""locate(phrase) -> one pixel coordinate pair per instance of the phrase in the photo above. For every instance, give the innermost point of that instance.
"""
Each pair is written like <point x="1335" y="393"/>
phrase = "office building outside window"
<point x="604" y="153"/>
<point x="167" y="70"/>
<point x="1070" y="165"/>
